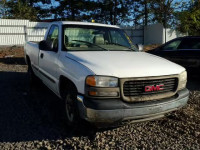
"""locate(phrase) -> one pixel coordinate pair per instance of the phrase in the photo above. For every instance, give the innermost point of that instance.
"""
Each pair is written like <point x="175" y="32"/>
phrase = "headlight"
<point x="102" y="81"/>
<point x="182" y="80"/>
<point x="102" y="86"/>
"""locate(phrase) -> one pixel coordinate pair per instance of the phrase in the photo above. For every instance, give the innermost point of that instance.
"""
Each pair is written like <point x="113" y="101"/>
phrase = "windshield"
<point x="94" y="38"/>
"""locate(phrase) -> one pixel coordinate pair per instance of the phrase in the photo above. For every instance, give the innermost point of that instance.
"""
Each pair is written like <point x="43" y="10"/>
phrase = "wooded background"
<point x="183" y="15"/>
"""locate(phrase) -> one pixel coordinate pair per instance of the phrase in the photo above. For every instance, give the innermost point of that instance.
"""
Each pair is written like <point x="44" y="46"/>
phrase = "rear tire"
<point x="33" y="79"/>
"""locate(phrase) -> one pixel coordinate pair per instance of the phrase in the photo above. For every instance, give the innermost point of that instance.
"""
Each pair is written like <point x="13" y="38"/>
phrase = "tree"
<point x="189" y="20"/>
<point x="112" y="11"/>
<point x="43" y="8"/>
<point x="20" y="10"/>
<point x="163" y="11"/>
<point x="23" y="9"/>
<point x="104" y="11"/>
<point x="127" y="12"/>
<point x="141" y="12"/>
<point x="3" y="8"/>
<point x="155" y="11"/>
<point x="69" y="9"/>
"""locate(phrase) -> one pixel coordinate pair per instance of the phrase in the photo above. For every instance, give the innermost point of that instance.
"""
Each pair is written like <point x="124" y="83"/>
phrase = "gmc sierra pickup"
<point x="102" y="77"/>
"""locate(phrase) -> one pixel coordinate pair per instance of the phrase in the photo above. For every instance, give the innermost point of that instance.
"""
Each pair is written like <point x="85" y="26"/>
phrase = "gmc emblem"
<point x="154" y="88"/>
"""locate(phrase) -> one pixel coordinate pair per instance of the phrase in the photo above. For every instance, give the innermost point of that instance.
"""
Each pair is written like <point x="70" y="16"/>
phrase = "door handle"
<point x="41" y="55"/>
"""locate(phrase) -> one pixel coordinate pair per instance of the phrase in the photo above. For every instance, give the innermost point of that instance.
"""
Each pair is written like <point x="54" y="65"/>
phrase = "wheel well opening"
<point x="28" y="60"/>
<point x="66" y="84"/>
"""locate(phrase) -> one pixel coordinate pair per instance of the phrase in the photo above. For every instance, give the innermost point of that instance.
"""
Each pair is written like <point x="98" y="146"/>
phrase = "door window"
<point x="52" y="37"/>
<point x="192" y="43"/>
<point x="172" y="45"/>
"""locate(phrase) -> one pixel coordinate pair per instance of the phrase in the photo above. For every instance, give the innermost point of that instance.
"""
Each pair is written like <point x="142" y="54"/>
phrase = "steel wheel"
<point x="71" y="111"/>
<point x="69" y="108"/>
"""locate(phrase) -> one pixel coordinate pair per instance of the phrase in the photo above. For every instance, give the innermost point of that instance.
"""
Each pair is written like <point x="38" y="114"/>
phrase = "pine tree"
<point x="23" y="9"/>
<point x="163" y="11"/>
<point x="69" y="9"/>
<point x="3" y="9"/>
<point x="112" y="11"/>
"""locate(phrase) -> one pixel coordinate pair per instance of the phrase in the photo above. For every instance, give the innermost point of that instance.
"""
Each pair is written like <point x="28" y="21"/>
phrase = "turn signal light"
<point x="103" y="93"/>
<point x="91" y="81"/>
<point x="92" y="93"/>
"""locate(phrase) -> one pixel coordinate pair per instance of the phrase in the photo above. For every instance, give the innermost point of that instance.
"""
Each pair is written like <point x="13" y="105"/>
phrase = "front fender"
<point x="74" y="71"/>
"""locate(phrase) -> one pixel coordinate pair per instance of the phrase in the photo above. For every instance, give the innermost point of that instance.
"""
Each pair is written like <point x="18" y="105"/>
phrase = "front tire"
<point x="71" y="108"/>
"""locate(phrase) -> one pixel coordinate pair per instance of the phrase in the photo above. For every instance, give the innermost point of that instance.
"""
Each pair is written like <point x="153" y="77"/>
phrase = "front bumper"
<point x="115" y="110"/>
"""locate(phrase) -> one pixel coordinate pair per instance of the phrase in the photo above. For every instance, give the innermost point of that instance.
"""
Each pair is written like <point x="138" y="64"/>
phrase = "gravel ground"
<point x="33" y="119"/>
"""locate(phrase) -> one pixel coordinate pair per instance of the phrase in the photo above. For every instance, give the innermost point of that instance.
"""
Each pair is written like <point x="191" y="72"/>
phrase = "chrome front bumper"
<point x="116" y="110"/>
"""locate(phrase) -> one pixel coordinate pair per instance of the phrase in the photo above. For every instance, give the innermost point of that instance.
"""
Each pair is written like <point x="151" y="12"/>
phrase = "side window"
<point x="172" y="45"/>
<point x="192" y="43"/>
<point x="52" y="37"/>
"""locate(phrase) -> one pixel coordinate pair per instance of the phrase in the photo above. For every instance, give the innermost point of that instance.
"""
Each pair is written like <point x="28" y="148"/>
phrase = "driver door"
<point x="48" y="59"/>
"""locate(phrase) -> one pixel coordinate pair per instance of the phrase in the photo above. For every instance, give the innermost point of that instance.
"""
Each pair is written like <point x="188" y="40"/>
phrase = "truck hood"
<point x="123" y="64"/>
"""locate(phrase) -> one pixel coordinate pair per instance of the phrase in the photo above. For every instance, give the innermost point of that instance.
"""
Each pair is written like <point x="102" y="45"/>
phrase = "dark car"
<point x="183" y="50"/>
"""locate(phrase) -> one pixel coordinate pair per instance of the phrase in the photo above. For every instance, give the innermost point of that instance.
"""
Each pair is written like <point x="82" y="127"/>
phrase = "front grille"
<point x="136" y="88"/>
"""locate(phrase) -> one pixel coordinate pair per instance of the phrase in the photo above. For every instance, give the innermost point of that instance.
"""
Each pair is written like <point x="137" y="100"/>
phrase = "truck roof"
<point x="85" y="23"/>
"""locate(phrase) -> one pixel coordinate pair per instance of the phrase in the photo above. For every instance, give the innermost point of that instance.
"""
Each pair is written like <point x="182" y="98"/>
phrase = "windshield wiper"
<point x="91" y="44"/>
<point x="121" y="45"/>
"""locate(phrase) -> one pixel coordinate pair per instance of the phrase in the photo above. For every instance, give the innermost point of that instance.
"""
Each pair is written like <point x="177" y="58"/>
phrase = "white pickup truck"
<point x="101" y="75"/>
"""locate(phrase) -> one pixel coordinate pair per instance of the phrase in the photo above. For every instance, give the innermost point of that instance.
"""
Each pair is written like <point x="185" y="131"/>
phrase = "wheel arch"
<point x="65" y="83"/>
<point x="27" y="60"/>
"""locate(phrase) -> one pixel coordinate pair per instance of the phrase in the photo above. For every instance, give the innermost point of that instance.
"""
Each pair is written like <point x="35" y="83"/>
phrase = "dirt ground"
<point x="33" y="118"/>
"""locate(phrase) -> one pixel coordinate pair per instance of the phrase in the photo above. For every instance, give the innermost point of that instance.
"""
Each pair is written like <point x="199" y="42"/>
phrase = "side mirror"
<point x="140" y="47"/>
<point x="45" y="45"/>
